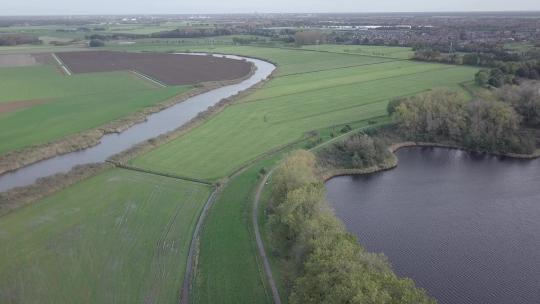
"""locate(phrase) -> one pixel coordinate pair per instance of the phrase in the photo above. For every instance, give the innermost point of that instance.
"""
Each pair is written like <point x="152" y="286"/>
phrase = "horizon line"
<point x="269" y="13"/>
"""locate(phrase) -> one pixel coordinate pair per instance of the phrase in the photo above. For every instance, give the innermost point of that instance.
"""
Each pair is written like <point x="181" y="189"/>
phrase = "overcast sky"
<point x="66" y="7"/>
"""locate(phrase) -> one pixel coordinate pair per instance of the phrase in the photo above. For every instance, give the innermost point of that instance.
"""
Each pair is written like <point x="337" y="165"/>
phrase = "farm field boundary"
<point x="62" y="66"/>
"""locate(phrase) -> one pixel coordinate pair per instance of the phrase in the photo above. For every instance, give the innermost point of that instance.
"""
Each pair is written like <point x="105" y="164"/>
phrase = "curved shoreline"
<point x="17" y="159"/>
<point x="329" y="173"/>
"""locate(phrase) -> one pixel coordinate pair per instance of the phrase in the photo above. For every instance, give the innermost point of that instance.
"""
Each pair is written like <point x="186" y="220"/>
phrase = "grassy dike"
<point x="311" y="90"/>
<point x="229" y="269"/>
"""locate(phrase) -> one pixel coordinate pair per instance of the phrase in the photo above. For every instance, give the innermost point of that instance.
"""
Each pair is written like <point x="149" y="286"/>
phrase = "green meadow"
<point x="80" y="244"/>
<point x="69" y="104"/>
<point x="118" y="237"/>
<point x="291" y="105"/>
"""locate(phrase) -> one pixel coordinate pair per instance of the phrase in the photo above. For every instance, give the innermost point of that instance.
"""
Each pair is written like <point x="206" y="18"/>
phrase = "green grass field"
<point x="289" y="106"/>
<point x="71" y="103"/>
<point x="281" y="112"/>
<point x="228" y="267"/>
<point x="370" y="50"/>
<point x="312" y="90"/>
<point x="118" y="237"/>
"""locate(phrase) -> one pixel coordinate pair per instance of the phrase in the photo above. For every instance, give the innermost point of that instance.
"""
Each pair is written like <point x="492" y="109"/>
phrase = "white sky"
<point x="67" y="7"/>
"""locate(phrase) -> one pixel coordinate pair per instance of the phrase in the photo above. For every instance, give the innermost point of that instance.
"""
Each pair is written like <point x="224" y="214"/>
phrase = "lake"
<point x="465" y="227"/>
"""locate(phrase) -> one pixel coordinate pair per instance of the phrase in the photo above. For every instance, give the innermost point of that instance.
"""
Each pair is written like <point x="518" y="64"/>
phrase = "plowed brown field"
<point x="171" y="69"/>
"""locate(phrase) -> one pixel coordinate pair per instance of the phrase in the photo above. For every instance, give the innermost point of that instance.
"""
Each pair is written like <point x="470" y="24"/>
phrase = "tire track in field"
<point x="159" y="272"/>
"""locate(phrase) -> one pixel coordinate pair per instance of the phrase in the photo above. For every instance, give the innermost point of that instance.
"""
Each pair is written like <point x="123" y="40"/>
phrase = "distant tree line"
<point x="325" y="262"/>
<point x="16" y="39"/>
<point x="115" y="36"/>
<point x="490" y="123"/>
<point x="192" y="33"/>
<point x="309" y="38"/>
<point x="504" y="67"/>
<point x="508" y="73"/>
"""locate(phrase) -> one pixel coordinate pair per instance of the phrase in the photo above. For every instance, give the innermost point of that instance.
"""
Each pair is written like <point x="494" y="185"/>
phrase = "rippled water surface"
<point x="464" y="227"/>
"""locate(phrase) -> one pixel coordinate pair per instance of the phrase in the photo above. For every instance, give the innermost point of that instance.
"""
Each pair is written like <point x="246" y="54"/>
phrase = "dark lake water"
<point x="464" y="227"/>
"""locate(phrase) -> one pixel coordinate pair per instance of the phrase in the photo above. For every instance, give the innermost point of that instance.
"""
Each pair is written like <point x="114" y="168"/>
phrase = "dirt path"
<point x="260" y="244"/>
<point x="186" y="287"/>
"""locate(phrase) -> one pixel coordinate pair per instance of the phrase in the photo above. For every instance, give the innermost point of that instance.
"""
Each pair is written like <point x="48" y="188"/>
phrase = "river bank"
<point x="201" y="107"/>
<point x="15" y="160"/>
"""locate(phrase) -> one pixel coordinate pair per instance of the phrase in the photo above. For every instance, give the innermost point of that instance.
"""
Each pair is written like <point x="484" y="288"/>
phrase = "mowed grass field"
<point x="69" y="104"/>
<point x="292" y="104"/>
<point x="229" y="269"/>
<point x="369" y="50"/>
<point x="118" y="237"/>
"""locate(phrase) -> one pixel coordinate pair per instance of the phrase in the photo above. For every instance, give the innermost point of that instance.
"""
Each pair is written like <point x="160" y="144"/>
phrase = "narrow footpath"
<point x="260" y="244"/>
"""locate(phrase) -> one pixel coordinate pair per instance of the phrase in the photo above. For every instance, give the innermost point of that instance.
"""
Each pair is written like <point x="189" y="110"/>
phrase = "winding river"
<point x="465" y="227"/>
<point x="159" y="123"/>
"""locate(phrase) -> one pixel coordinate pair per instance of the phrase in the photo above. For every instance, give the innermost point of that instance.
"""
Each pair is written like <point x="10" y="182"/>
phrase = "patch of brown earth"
<point x="6" y="107"/>
<point x="17" y="60"/>
<point x="170" y="69"/>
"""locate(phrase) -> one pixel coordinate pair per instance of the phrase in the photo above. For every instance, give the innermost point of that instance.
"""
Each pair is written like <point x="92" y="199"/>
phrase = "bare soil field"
<point x="170" y="69"/>
<point x="7" y="107"/>
<point x="22" y="60"/>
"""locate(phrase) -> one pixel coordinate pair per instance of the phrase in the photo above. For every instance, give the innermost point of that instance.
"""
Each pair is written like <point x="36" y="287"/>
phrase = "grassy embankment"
<point x="300" y="98"/>
<point x="310" y="90"/>
<point x="71" y="104"/>
<point x="119" y="237"/>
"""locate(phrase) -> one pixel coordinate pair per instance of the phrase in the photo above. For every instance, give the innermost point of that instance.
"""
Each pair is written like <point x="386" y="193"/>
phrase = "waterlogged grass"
<point x="291" y="105"/>
<point x="119" y="237"/>
<point x="70" y="104"/>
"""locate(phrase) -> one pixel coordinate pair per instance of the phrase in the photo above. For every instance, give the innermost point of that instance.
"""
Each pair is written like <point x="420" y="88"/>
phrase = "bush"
<point x="346" y="129"/>
<point x="357" y="151"/>
<point x="96" y="43"/>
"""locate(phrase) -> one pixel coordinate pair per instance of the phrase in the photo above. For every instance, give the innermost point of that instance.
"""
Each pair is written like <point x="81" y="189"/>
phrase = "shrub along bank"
<point x="327" y="264"/>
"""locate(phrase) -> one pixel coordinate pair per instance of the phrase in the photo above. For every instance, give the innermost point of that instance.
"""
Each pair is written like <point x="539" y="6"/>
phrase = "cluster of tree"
<point x="505" y="66"/>
<point x="16" y="39"/>
<point x="248" y="40"/>
<point x="192" y="33"/>
<point x="525" y="99"/>
<point x="508" y="73"/>
<point x="96" y="43"/>
<point x="357" y="151"/>
<point x="115" y="36"/>
<point x="309" y="37"/>
<point x="484" y="124"/>
<point x="328" y="263"/>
